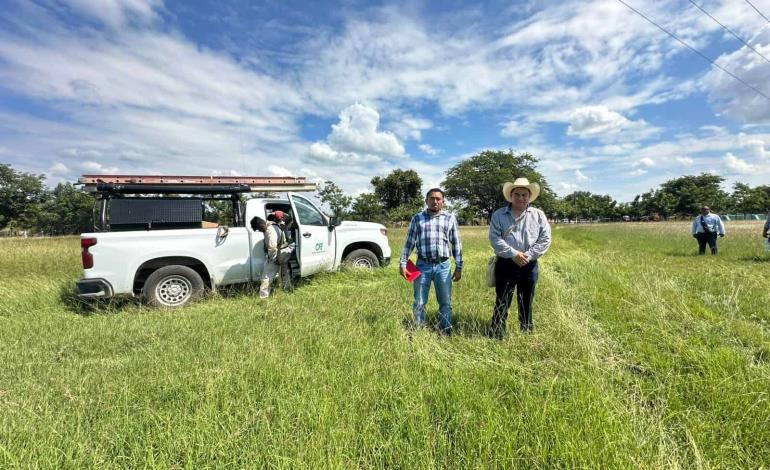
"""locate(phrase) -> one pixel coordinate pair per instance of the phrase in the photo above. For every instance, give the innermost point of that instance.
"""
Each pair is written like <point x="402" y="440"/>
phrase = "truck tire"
<point x="362" y="258"/>
<point x="172" y="286"/>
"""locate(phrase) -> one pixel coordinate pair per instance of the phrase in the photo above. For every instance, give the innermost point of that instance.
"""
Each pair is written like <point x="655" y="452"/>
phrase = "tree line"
<point x="472" y="187"/>
<point x="26" y="204"/>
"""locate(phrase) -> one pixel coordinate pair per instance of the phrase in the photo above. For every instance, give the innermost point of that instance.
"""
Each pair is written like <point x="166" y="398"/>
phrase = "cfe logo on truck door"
<point x="319" y="247"/>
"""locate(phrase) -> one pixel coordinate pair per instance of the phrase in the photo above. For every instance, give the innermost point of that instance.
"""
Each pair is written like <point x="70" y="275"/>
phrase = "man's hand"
<point x="764" y="235"/>
<point x="721" y="235"/>
<point x="402" y="270"/>
<point x="457" y="275"/>
<point x="521" y="259"/>
<point x="695" y="235"/>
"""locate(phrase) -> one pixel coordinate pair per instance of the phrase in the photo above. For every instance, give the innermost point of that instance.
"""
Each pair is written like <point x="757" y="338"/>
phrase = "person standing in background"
<point x="705" y="228"/>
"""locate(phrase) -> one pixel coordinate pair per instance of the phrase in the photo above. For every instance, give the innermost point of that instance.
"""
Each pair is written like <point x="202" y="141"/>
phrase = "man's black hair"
<point x="257" y="222"/>
<point x="434" y="190"/>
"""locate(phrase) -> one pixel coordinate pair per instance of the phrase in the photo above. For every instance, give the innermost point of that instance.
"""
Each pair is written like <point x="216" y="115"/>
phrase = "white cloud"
<point x="580" y="176"/>
<point x="517" y="128"/>
<point x="59" y="169"/>
<point x="563" y="187"/>
<point x="646" y="162"/>
<point x="710" y="129"/>
<point x="116" y="13"/>
<point x="355" y="139"/>
<point x="737" y="165"/>
<point x="276" y="170"/>
<point x="428" y="149"/>
<point x="686" y="161"/>
<point x="756" y="149"/>
<point x="322" y="153"/>
<point x="590" y="121"/>
<point x="96" y="168"/>
<point x="736" y="99"/>
<point x="638" y="172"/>
<point x="409" y="127"/>
<point x="357" y="133"/>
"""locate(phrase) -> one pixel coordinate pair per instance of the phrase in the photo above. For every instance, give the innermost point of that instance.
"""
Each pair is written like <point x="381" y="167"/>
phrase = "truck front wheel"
<point x="362" y="258"/>
<point x="172" y="286"/>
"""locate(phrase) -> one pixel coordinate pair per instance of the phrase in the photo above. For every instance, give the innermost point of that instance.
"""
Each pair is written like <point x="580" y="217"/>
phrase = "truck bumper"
<point x="386" y="261"/>
<point x="91" y="288"/>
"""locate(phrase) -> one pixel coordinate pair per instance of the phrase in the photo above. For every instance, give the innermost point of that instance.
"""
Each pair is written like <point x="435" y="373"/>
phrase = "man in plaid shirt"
<point x="432" y="231"/>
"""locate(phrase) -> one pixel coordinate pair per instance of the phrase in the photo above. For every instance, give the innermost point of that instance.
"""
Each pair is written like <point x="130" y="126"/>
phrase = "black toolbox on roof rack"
<point x="155" y="213"/>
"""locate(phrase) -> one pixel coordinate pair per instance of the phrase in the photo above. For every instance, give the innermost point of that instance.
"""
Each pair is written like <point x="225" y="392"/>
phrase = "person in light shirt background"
<point x="520" y="235"/>
<point x="705" y="228"/>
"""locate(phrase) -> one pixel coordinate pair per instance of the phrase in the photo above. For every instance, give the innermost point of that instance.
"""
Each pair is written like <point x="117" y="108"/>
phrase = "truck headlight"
<point x="384" y="232"/>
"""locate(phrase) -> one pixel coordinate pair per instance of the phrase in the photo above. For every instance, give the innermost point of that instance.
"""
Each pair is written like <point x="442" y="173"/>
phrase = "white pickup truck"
<point x="170" y="268"/>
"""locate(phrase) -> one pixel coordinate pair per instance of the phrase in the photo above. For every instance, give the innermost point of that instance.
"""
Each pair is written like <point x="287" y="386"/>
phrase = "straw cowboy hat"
<point x="534" y="188"/>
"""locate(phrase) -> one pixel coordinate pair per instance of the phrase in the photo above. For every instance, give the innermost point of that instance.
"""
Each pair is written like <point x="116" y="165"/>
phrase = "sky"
<point x="348" y="90"/>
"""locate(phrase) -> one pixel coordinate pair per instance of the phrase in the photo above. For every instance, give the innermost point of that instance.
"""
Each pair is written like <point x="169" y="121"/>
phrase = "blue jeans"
<point x="441" y="275"/>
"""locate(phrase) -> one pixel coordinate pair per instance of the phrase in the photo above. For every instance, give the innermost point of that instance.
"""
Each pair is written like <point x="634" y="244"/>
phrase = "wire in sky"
<point x="730" y="31"/>
<point x="757" y="10"/>
<point x="756" y="90"/>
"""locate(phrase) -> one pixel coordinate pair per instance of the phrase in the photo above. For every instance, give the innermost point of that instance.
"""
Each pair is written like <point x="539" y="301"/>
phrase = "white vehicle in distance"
<point x="160" y="249"/>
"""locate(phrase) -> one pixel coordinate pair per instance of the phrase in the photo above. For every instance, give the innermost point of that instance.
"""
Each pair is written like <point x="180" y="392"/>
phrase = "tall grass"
<point x="645" y="356"/>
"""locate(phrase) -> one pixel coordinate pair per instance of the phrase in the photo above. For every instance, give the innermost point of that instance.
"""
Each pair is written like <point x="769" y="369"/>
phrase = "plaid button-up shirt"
<point x="432" y="234"/>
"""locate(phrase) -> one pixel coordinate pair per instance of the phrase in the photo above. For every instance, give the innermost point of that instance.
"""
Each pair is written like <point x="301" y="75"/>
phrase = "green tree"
<point x="478" y="181"/>
<point x="583" y="204"/>
<point x="748" y="200"/>
<point x="66" y="210"/>
<point x="20" y="196"/>
<point x="398" y="188"/>
<point x="406" y="211"/>
<point x="368" y="207"/>
<point x="691" y="192"/>
<point x="337" y="200"/>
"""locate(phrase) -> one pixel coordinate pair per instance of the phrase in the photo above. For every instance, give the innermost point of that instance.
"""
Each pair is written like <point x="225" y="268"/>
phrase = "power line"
<point x="730" y="31"/>
<point x="756" y="90"/>
<point x="757" y="10"/>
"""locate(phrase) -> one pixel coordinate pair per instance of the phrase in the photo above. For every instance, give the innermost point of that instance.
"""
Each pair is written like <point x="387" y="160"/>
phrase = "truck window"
<point x="307" y="214"/>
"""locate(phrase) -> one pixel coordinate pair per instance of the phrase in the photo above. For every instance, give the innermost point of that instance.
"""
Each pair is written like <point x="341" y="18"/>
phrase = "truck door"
<point x="230" y="254"/>
<point x="315" y="242"/>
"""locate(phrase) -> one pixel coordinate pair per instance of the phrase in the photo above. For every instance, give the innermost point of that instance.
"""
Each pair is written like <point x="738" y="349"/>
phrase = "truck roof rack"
<point x="171" y="184"/>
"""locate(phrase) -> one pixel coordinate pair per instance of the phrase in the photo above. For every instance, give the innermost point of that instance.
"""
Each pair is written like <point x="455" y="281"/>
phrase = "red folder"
<point x="412" y="272"/>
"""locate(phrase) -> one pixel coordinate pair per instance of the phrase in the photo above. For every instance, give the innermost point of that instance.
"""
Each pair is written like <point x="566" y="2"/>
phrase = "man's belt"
<point x="433" y="260"/>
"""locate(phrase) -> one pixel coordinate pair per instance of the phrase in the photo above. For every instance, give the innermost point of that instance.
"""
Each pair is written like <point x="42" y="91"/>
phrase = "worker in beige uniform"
<point x="277" y="254"/>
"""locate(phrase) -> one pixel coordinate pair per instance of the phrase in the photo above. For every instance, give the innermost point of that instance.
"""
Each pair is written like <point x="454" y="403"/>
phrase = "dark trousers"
<point x="703" y="238"/>
<point x="509" y="278"/>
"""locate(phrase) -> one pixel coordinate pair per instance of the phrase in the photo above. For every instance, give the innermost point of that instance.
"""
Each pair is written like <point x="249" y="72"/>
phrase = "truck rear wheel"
<point x="173" y="286"/>
<point x="362" y="258"/>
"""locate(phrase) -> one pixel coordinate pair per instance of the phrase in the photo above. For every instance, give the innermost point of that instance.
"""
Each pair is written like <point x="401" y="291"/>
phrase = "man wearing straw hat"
<point x="520" y="235"/>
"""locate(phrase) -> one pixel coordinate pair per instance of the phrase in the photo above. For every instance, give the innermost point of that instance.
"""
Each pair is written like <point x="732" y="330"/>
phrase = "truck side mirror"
<point x="334" y="222"/>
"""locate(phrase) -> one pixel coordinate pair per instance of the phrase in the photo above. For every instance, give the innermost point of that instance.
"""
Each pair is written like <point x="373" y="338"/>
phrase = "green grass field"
<point x="645" y="356"/>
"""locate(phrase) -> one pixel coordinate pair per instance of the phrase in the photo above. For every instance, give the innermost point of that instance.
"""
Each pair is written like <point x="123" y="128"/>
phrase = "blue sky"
<point x="349" y="90"/>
